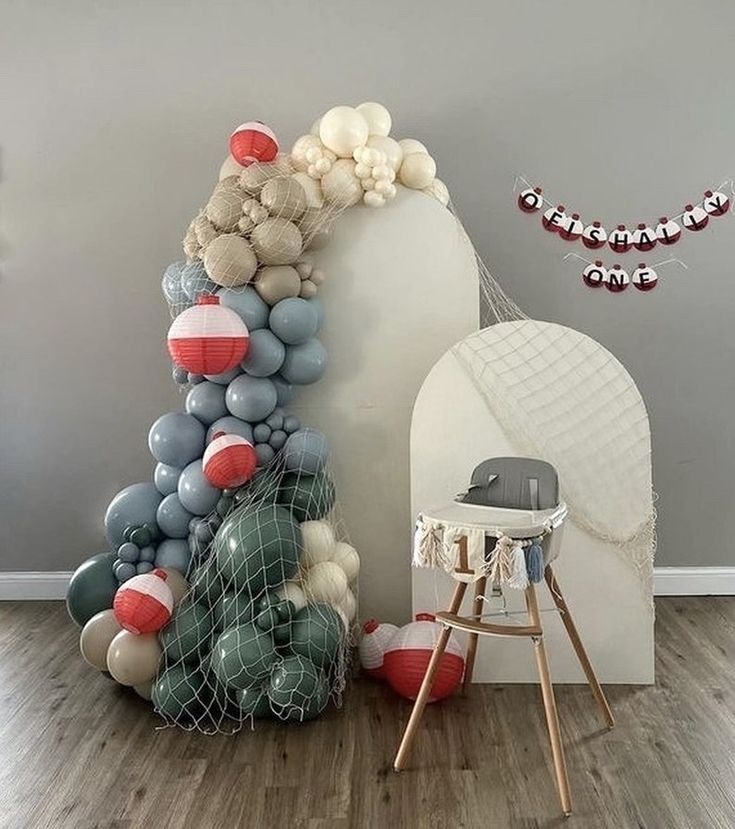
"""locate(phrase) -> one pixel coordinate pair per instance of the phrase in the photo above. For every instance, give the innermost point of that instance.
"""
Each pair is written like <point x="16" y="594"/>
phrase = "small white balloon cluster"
<point x="351" y="154"/>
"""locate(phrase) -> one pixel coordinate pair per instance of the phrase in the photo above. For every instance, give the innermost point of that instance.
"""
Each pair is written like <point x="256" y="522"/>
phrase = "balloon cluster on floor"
<point x="228" y="590"/>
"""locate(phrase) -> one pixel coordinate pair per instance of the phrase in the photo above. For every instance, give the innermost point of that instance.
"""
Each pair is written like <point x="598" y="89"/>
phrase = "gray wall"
<point x="113" y="121"/>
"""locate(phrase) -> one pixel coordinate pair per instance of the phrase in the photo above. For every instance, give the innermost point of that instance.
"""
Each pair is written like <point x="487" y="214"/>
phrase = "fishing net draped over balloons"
<point x="229" y="592"/>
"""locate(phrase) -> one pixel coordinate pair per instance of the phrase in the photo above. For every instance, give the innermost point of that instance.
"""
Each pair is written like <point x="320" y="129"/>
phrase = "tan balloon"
<point x="178" y="584"/>
<point x="341" y="187"/>
<point x="312" y="189"/>
<point x="133" y="659"/>
<point x="308" y="289"/>
<point x="277" y="282"/>
<point x="276" y="241"/>
<point x="96" y="636"/>
<point x="224" y="207"/>
<point x="229" y="167"/>
<point x="255" y="176"/>
<point x="315" y="227"/>
<point x="284" y="197"/>
<point x="144" y="690"/>
<point x="229" y="260"/>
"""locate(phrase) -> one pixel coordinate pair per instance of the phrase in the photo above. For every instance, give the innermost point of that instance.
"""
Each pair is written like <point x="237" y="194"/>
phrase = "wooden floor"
<point x="78" y="751"/>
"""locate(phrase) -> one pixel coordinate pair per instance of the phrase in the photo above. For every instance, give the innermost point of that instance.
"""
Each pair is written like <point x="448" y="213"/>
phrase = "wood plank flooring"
<point x="77" y="751"/>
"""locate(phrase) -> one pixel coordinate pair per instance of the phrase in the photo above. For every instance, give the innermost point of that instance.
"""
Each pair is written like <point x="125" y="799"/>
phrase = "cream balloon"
<point x="342" y="129"/>
<point x="314" y="130"/>
<point x="312" y="190"/>
<point x="301" y="147"/>
<point x="346" y="556"/>
<point x="377" y="117"/>
<point x="96" y="636"/>
<point x="293" y="593"/>
<point x="411" y="145"/>
<point x="230" y="167"/>
<point x="132" y="658"/>
<point x="348" y="605"/>
<point x="341" y="187"/>
<point x="325" y="582"/>
<point x="417" y="171"/>
<point x="439" y="191"/>
<point x="317" y="538"/>
<point x="389" y="147"/>
<point x="144" y="690"/>
<point x="178" y="584"/>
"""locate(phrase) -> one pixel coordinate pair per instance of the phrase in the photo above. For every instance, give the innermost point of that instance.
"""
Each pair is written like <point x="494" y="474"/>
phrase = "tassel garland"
<point x="535" y="563"/>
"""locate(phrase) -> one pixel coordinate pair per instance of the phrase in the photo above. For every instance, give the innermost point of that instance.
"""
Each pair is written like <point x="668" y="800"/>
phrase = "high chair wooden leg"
<point x="584" y="661"/>
<point x="477" y="605"/>
<point x="418" y="706"/>
<point x="552" y="717"/>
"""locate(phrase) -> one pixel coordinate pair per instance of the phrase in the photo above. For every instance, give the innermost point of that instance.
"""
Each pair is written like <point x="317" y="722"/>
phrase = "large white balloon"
<point x="343" y="129"/>
<point x="417" y="170"/>
<point x="377" y="117"/>
<point x="411" y="145"/>
<point x="389" y="146"/>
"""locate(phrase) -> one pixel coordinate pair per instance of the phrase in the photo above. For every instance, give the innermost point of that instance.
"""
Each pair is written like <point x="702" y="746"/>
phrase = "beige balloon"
<point x="96" y="636"/>
<point x="132" y="658"/>
<point x="346" y="556"/>
<point x="312" y="189"/>
<point x="417" y="170"/>
<point x="348" y="605"/>
<point x="230" y="167"/>
<point x="177" y="583"/>
<point x="229" y="260"/>
<point x="341" y="187"/>
<point x="325" y="582"/>
<point x="255" y="176"/>
<point x="224" y="207"/>
<point x="284" y="197"/>
<point x="276" y="282"/>
<point x="276" y="241"/>
<point x="144" y="690"/>
<point x="315" y="227"/>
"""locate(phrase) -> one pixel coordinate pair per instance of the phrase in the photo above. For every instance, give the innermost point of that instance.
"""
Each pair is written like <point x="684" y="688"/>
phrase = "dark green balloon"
<point x="257" y="548"/>
<point x="309" y="497"/>
<point x="262" y="488"/>
<point x="242" y="656"/>
<point x="254" y="701"/>
<point x="231" y="610"/>
<point x="187" y="636"/>
<point x="181" y="693"/>
<point x="267" y="619"/>
<point x="206" y="584"/>
<point x="297" y="690"/>
<point x="92" y="588"/>
<point x="317" y="633"/>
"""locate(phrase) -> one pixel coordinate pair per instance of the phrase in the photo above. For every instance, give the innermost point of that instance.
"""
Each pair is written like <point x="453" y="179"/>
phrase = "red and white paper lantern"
<point x="668" y="232"/>
<point x="620" y="239"/>
<point x="208" y="338"/>
<point x="644" y="278"/>
<point x="373" y="644"/>
<point x="617" y="279"/>
<point x="594" y="275"/>
<point x="554" y="218"/>
<point x="253" y="142"/>
<point x="531" y="199"/>
<point x="644" y="237"/>
<point x="407" y="659"/>
<point x="594" y="236"/>
<point x="144" y="603"/>
<point x="572" y="228"/>
<point x="229" y="460"/>
<point x="715" y="203"/>
<point x="694" y="217"/>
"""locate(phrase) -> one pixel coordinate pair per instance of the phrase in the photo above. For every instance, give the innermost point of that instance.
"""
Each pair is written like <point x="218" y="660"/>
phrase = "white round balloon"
<point x="348" y="605"/>
<point x="390" y="147"/>
<point x="325" y="582"/>
<point x="300" y="148"/>
<point x="417" y="170"/>
<point x="377" y="117"/>
<point x="342" y="129"/>
<point x="439" y="191"/>
<point x="411" y="145"/>
<point x="293" y="593"/>
<point x="340" y="186"/>
<point x="318" y="541"/>
<point x="346" y="556"/>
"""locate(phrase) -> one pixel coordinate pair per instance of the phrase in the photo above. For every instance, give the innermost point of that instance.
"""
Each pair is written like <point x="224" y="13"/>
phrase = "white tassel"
<point x="518" y="578"/>
<point x="499" y="566"/>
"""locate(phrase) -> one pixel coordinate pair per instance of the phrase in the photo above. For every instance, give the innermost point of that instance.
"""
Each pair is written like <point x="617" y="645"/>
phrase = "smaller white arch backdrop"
<point x="538" y="389"/>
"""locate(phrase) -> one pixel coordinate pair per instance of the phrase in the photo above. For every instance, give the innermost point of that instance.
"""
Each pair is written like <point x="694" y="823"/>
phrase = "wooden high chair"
<point x="533" y="630"/>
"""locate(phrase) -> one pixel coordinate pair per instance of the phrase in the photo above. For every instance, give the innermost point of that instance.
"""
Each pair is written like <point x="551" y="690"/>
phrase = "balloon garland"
<point x="643" y="238"/>
<point x="229" y="591"/>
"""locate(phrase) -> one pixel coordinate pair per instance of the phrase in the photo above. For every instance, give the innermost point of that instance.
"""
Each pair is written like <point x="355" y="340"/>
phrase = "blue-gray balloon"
<point x="265" y="354"/>
<point x="128" y="552"/>
<point x="226" y="377"/>
<point x="294" y="320"/>
<point x="316" y="304"/>
<point x="171" y="285"/>
<point x="247" y="303"/>
<point x="123" y="570"/>
<point x="176" y="439"/>
<point x="131" y="507"/>
<point x="285" y="392"/>
<point x="173" y="519"/>
<point x="195" y="282"/>
<point x="173" y="553"/>
<point x="230" y="426"/>
<point x="275" y="421"/>
<point x="193" y="379"/>
<point x="277" y="439"/>
<point x="291" y="424"/>
<point x="180" y="375"/>
<point x="251" y="398"/>
<point x="195" y="492"/>
<point x="306" y="451"/>
<point x="143" y="567"/>
<point x="261" y="433"/>
<point x="304" y="363"/>
<point x="206" y="401"/>
<point x="265" y="454"/>
<point x="166" y="478"/>
<point x="147" y="554"/>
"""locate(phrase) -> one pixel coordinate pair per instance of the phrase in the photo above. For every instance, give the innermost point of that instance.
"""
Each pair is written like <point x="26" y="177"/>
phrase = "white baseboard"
<point x="33" y="585"/>
<point x="667" y="581"/>
<point x="694" y="581"/>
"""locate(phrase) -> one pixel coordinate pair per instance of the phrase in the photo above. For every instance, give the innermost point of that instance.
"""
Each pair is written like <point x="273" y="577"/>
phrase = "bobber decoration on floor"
<point x="642" y="237"/>
<point x="401" y="656"/>
<point x="228" y="590"/>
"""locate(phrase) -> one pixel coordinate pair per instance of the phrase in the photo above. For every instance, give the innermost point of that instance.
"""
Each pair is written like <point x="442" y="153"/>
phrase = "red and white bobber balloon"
<point x="144" y="603"/>
<point x="252" y="142"/>
<point x="375" y="639"/>
<point x="531" y="199"/>
<point x="716" y="203"/>
<point x="572" y="228"/>
<point x="208" y="338"/>
<point x="620" y="239"/>
<point x="594" y="236"/>
<point x="407" y="656"/>
<point x="694" y="217"/>
<point x="668" y="232"/>
<point x="229" y="461"/>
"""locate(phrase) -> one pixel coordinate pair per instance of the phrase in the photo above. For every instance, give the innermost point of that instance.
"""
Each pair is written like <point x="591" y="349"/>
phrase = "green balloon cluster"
<point x="186" y="637"/>
<point x="92" y="588"/>
<point x="309" y="497"/>
<point x="181" y="693"/>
